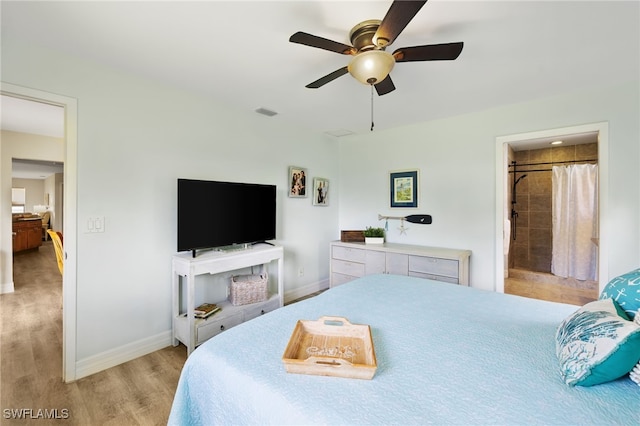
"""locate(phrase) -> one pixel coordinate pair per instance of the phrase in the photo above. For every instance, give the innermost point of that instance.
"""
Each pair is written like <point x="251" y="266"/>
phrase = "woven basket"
<point x="245" y="289"/>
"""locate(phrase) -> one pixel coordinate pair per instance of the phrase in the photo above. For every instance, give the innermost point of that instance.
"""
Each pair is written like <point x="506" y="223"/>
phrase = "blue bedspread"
<point x="446" y="354"/>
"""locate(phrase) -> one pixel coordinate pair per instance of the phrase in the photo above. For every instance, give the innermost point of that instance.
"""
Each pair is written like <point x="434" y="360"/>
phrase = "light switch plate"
<point x="95" y="224"/>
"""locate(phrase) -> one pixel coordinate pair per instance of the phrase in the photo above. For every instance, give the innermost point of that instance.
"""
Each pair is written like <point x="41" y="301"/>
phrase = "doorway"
<point x="43" y="180"/>
<point x="69" y="216"/>
<point x="532" y="267"/>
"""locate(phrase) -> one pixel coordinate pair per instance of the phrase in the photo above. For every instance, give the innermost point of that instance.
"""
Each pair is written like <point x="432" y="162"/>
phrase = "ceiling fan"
<point x="371" y="63"/>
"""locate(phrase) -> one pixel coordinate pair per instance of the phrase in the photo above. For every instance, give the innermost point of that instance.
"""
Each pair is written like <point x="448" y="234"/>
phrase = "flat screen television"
<point x="214" y="214"/>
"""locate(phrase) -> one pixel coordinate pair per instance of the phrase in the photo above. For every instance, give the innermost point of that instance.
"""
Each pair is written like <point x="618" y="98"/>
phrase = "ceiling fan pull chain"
<point x="371" y="107"/>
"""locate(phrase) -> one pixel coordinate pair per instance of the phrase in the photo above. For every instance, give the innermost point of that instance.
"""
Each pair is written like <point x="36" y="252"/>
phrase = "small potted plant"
<point x="374" y="235"/>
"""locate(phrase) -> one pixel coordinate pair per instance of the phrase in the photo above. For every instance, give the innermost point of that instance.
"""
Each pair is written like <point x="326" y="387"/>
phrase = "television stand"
<point x="192" y="331"/>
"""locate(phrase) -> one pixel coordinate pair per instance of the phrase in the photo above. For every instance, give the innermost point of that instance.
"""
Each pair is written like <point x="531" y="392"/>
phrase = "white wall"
<point x="135" y="138"/>
<point x="456" y="159"/>
<point x="53" y="187"/>
<point x="34" y="189"/>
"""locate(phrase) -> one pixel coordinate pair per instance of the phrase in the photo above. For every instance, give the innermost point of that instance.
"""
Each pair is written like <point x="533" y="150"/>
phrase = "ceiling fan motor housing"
<point x="361" y="35"/>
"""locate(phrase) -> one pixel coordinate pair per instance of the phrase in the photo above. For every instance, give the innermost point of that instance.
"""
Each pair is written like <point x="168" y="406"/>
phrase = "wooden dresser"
<point x="27" y="234"/>
<point x="352" y="260"/>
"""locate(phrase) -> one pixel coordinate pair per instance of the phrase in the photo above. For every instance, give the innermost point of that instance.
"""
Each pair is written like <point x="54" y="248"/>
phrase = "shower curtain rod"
<point x="527" y="171"/>
<point x="515" y="164"/>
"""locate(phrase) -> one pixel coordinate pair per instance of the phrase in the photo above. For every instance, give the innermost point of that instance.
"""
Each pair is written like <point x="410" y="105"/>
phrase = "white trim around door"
<point x="69" y="225"/>
<point x="602" y="129"/>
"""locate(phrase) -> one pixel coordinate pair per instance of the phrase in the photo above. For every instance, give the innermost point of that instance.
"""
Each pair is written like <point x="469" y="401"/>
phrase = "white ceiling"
<point x="34" y="169"/>
<point x="239" y="53"/>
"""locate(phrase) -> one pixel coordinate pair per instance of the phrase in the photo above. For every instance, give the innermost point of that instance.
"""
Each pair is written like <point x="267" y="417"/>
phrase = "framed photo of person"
<point x="320" y="191"/>
<point x="297" y="182"/>
<point x="403" y="185"/>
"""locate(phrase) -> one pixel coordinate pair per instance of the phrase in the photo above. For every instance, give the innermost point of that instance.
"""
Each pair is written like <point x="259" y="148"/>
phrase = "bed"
<point x="446" y="354"/>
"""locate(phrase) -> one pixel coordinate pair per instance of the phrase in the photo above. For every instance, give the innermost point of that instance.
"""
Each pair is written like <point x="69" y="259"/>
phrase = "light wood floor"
<point x="139" y="392"/>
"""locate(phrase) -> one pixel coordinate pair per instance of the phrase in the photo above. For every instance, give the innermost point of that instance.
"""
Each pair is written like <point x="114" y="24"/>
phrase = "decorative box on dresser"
<point x="193" y="331"/>
<point x="353" y="260"/>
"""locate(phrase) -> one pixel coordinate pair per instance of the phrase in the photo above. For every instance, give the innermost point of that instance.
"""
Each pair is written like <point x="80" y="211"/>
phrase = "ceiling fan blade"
<point x="385" y="86"/>
<point x="322" y="43"/>
<point x="328" y="78"/>
<point x="431" y="52"/>
<point x="400" y="13"/>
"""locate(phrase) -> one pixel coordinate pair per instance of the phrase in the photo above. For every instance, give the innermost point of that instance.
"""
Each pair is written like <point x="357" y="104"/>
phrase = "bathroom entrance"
<point x="537" y="259"/>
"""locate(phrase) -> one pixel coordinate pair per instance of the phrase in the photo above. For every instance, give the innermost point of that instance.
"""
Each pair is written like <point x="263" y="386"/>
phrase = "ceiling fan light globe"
<point x="371" y="67"/>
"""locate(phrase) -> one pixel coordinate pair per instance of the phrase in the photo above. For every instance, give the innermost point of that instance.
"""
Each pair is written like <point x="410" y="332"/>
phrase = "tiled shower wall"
<point x="531" y="248"/>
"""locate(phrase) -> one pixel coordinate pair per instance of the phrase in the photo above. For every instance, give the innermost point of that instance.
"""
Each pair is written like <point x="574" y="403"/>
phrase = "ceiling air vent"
<point x="339" y="133"/>
<point x="266" y="112"/>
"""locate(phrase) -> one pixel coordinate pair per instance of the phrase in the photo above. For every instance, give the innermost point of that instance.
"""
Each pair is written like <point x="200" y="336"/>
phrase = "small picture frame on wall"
<point x="320" y="191"/>
<point x="403" y="185"/>
<point x="297" y="182"/>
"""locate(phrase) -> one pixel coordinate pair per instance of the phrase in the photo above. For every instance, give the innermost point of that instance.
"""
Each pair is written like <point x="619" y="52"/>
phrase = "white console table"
<point x="192" y="331"/>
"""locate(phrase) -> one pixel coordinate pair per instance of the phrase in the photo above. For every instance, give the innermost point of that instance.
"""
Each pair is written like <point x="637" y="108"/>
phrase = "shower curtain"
<point x="575" y="221"/>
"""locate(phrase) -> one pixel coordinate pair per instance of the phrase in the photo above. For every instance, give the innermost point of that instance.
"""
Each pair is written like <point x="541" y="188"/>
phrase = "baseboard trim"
<point x="96" y="363"/>
<point x="7" y="288"/>
<point x="102" y="361"/>
<point x="299" y="292"/>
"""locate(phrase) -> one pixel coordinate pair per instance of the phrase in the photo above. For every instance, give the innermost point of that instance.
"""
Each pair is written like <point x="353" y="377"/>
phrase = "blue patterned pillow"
<point x="625" y="290"/>
<point x="597" y="344"/>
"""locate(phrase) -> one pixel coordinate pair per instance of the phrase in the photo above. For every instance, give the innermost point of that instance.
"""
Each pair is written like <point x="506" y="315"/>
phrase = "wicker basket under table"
<point x="246" y="289"/>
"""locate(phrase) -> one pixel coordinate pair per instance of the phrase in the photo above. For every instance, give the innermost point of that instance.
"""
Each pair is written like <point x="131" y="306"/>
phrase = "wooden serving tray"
<point x="331" y="346"/>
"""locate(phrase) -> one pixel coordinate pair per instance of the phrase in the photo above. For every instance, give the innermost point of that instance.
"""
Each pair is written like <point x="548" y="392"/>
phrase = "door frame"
<point x="502" y="176"/>
<point x="69" y="225"/>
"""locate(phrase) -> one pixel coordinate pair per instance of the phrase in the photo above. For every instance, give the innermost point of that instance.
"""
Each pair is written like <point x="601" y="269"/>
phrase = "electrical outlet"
<point x="301" y="272"/>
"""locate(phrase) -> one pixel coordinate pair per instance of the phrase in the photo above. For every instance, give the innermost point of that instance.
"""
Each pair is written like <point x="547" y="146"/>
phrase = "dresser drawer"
<point x="347" y="268"/>
<point x="339" y="279"/>
<point x="213" y="326"/>
<point x="433" y="265"/>
<point x="451" y="280"/>
<point x="251" y="312"/>
<point x="349" y="254"/>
